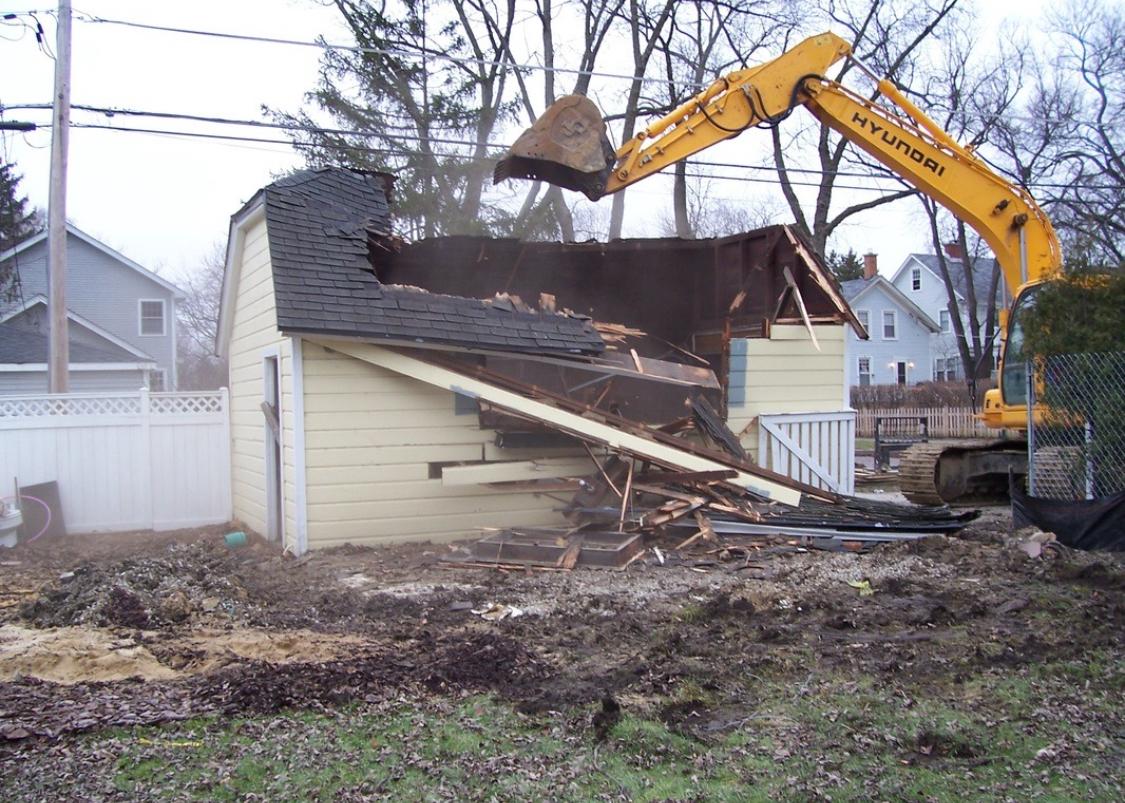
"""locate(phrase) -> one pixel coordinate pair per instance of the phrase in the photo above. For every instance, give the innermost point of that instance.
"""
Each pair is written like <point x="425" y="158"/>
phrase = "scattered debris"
<point x="498" y="612"/>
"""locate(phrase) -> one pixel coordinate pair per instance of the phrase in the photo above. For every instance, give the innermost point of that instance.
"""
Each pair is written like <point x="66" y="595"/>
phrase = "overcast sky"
<point x="165" y="200"/>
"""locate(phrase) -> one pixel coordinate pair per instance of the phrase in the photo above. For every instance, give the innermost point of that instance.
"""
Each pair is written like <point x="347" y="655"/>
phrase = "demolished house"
<point x="383" y="391"/>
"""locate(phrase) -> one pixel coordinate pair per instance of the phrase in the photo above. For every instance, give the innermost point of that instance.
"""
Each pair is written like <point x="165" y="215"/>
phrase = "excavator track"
<point x="970" y="472"/>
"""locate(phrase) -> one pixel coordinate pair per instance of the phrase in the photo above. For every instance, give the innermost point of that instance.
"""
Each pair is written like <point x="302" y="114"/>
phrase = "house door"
<point x="271" y="410"/>
<point x="900" y="372"/>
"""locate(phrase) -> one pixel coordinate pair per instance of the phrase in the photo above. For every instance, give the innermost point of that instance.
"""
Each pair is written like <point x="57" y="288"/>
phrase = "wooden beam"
<point x="512" y="471"/>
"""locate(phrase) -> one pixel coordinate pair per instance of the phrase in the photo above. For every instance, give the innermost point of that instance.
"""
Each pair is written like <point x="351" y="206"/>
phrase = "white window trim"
<point x="864" y="317"/>
<point x="915" y="272"/>
<point x="163" y="317"/>
<point x="859" y="372"/>
<point x="945" y="321"/>
<point x="883" y="324"/>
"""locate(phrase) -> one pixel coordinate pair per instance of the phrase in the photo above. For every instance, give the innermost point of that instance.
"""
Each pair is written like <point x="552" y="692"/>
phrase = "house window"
<point x="951" y="364"/>
<point x="900" y="372"/>
<point x="864" y="371"/>
<point x="151" y="316"/>
<point x="944" y="319"/>
<point x="865" y="319"/>
<point x="157" y="380"/>
<point x="890" y="325"/>
<point x="939" y="370"/>
<point x="916" y="279"/>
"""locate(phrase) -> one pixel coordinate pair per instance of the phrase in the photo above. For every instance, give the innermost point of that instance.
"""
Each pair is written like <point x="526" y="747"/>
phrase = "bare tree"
<point x="889" y="36"/>
<point x="703" y="40"/>
<point x="1087" y="200"/>
<point x="598" y="17"/>
<point x="971" y="98"/>
<point x="646" y="23"/>
<point x="197" y="320"/>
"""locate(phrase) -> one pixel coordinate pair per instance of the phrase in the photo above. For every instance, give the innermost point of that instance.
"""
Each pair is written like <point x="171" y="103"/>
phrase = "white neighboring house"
<point x="919" y="279"/>
<point x="898" y="350"/>
<point x="121" y="316"/>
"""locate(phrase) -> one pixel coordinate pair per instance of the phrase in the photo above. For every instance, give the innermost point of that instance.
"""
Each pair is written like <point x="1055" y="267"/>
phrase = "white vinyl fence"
<point x="944" y="422"/>
<point x="123" y="461"/>
<point x="817" y="449"/>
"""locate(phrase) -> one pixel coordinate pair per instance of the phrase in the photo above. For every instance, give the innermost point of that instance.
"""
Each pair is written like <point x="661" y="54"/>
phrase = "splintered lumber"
<point x="676" y="509"/>
<point x="567" y="560"/>
<point x="614" y="432"/>
<point x="706" y="532"/>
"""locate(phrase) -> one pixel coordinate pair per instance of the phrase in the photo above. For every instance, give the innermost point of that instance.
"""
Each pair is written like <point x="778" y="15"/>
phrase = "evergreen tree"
<point x="16" y="222"/>
<point x="845" y="266"/>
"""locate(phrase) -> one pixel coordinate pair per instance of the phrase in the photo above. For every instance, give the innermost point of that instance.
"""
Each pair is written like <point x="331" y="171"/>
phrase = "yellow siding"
<point x="370" y="435"/>
<point x="253" y="332"/>
<point x="786" y="374"/>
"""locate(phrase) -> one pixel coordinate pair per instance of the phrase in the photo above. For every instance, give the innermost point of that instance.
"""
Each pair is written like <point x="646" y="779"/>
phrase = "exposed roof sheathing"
<point x="322" y="227"/>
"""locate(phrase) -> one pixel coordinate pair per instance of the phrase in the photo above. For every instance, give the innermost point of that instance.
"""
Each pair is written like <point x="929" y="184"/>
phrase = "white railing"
<point x="944" y="422"/>
<point x="817" y="449"/>
<point x="123" y="461"/>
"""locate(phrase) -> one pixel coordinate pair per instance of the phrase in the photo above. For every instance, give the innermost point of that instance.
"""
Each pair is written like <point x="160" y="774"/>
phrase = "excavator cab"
<point x="567" y="146"/>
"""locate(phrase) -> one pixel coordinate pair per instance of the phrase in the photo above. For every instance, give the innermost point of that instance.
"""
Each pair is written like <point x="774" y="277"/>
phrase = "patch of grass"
<point x="1044" y="732"/>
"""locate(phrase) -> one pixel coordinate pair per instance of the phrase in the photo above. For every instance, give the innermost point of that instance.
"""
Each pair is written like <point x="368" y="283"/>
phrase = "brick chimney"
<point x="953" y="250"/>
<point x="870" y="266"/>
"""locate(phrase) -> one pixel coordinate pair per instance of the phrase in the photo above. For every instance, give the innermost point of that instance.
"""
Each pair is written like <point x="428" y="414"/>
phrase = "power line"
<point x="389" y="152"/>
<point x="376" y="51"/>
<point x="426" y="55"/>
<point x="112" y="111"/>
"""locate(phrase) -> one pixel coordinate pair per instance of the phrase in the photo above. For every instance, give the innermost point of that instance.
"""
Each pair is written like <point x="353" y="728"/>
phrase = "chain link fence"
<point x="1076" y="432"/>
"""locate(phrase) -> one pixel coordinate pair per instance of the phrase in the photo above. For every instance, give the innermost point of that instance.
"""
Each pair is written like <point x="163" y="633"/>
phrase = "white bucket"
<point x="10" y="521"/>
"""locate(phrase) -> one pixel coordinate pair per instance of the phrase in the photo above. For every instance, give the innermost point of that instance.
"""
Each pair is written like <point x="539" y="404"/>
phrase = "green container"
<point x="235" y="539"/>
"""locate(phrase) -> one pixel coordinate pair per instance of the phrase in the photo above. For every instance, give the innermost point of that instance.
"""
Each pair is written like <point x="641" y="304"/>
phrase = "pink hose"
<point x="45" y="507"/>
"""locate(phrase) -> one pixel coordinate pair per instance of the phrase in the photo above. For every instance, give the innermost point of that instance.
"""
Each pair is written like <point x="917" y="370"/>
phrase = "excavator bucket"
<point x="567" y="146"/>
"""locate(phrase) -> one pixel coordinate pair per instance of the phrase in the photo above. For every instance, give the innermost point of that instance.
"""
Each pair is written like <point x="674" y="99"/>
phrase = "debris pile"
<point x="186" y="582"/>
<point x="620" y="515"/>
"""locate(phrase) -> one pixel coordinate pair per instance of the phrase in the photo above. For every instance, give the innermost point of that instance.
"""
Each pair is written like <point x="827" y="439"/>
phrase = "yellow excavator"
<point x="568" y="146"/>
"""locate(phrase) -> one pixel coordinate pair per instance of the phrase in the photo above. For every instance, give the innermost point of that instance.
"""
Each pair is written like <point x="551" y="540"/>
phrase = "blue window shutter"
<point x="739" y="364"/>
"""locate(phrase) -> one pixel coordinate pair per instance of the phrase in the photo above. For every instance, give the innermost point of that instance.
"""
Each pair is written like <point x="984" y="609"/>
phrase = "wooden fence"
<point x="945" y="422"/>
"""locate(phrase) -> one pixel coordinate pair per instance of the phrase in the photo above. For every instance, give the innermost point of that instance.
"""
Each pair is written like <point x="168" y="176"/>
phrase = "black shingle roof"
<point x="20" y="346"/>
<point x="320" y="224"/>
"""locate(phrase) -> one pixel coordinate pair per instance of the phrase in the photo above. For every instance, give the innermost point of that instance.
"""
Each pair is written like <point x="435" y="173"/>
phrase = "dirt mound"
<point x="203" y="584"/>
<point x="154" y="591"/>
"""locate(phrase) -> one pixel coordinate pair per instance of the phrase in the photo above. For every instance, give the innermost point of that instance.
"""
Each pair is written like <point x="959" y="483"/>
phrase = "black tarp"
<point x="1082" y="524"/>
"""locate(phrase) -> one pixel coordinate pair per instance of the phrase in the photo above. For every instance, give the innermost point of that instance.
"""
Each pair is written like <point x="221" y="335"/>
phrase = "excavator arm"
<point x="894" y="132"/>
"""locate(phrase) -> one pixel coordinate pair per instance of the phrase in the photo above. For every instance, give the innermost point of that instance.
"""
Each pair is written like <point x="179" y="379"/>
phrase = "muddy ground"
<point x="135" y="629"/>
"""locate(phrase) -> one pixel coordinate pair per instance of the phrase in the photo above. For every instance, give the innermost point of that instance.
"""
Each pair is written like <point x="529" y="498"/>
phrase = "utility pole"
<point x="58" y="357"/>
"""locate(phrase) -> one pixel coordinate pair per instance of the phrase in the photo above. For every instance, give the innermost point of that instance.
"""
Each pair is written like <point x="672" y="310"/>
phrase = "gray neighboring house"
<point x="919" y="279"/>
<point x="122" y="320"/>
<point x="901" y="333"/>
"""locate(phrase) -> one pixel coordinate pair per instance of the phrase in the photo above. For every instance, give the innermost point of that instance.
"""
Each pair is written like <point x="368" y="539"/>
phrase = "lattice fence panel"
<point x="69" y="405"/>
<point x="185" y="403"/>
